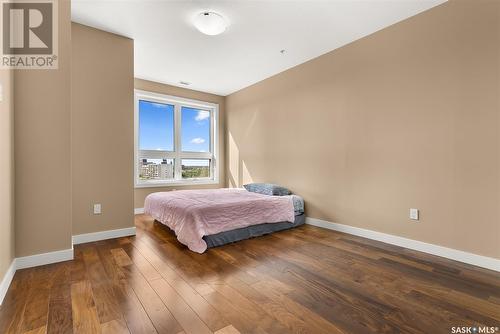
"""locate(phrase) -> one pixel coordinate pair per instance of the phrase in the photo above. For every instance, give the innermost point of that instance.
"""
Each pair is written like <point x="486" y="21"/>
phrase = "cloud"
<point x="202" y="114"/>
<point x="197" y="141"/>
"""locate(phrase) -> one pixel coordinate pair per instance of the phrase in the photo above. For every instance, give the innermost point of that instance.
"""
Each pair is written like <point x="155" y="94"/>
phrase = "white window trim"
<point x="177" y="154"/>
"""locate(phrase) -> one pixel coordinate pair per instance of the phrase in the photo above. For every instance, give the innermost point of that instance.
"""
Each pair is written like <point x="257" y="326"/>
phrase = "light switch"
<point x="414" y="214"/>
<point x="97" y="209"/>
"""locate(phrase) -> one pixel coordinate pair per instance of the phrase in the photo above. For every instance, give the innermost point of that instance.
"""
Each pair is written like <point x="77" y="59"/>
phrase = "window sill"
<point x="175" y="183"/>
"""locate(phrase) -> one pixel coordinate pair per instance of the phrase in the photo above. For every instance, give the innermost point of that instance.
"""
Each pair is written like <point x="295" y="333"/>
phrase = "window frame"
<point x="177" y="154"/>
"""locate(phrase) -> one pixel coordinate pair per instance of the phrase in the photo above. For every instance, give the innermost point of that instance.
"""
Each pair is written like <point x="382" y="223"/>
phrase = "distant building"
<point x="166" y="170"/>
<point x="151" y="170"/>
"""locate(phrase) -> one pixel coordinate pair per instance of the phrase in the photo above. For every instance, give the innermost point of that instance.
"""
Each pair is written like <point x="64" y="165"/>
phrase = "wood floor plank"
<point x="228" y="330"/>
<point x="121" y="257"/>
<point x="130" y="305"/>
<point x="276" y="310"/>
<point x="115" y="327"/>
<point x="189" y="271"/>
<point x="190" y="268"/>
<point x="347" y="308"/>
<point x="267" y="244"/>
<point x="238" y="319"/>
<point x="312" y="319"/>
<point x="160" y="316"/>
<point x="137" y="319"/>
<point x="12" y="311"/>
<point x="304" y="280"/>
<point x="159" y="263"/>
<point x="60" y="318"/>
<point x="220" y="269"/>
<point x="102" y="287"/>
<point x="85" y="319"/>
<point x="39" y="330"/>
<point x="406" y="315"/>
<point x="135" y="316"/>
<point x="189" y="320"/>
<point x="144" y="266"/>
<point x="251" y="310"/>
<point x="37" y="306"/>
<point x="212" y="318"/>
<point x="78" y="270"/>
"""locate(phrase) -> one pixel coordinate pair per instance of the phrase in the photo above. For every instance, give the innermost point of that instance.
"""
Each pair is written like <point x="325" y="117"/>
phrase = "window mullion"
<point x="212" y="143"/>
<point x="177" y="136"/>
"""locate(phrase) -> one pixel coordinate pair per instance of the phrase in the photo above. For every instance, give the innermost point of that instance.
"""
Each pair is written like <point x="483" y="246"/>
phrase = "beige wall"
<point x="42" y="151"/>
<point x="6" y="171"/>
<point x="406" y="117"/>
<point x="141" y="193"/>
<point x="102" y="129"/>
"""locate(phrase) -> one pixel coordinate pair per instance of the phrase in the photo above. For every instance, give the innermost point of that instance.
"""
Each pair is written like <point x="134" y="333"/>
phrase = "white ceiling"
<point x="169" y="49"/>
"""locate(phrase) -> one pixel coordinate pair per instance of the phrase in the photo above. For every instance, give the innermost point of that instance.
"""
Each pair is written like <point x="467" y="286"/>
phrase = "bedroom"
<point x="196" y="167"/>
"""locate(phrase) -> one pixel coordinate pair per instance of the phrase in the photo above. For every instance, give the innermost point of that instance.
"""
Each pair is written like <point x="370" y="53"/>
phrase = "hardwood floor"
<point x="306" y="280"/>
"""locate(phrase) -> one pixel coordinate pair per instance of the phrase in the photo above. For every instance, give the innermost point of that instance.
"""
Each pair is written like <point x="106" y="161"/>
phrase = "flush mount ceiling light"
<point x="210" y="23"/>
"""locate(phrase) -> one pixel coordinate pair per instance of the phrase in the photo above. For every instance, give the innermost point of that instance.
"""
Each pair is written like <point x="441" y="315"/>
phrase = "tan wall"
<point x="6" y="171"/>
<point x="102" y="129"/>
<point x="42" y="151"/>
<point x="406" y="117"/>
<point x="141" y="193"/>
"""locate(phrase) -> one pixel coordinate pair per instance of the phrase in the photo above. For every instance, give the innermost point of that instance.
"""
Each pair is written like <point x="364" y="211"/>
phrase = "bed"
<point x="203" y="219"/>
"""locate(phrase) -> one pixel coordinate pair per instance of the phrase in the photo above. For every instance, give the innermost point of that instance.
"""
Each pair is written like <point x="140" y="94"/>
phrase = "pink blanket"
<point x="193" y="214"/>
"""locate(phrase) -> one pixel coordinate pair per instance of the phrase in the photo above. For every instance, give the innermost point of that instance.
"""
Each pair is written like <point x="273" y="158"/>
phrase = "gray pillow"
<point x="267" y="189"/>
<point x="298" y="204"/>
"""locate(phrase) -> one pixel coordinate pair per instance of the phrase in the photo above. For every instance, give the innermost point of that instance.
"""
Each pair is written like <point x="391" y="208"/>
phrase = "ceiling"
<point x="169" y="49"/>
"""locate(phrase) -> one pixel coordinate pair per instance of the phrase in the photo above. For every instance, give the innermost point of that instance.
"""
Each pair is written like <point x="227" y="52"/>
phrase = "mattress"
<point x="248" y="232"/>
<point x="193" y="214"/>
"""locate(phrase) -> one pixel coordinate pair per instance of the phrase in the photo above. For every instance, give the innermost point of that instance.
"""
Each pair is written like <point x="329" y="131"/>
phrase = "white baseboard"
<point x="45" y="258"/>
<point x="7" y="279"/>
<point x="138" y="211"/>
<point x="449" y="253"/>
<point x="103" y="235"/>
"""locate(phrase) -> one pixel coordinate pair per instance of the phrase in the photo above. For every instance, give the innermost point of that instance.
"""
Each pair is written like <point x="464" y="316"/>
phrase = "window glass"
<point x="195" y="130"/>
<point x="195" y="168"/>
<point x="156" y="126"/>
<point x="156" y="169"/>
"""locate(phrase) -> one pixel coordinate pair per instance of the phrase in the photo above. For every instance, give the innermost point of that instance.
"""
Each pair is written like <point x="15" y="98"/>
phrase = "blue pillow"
<point x="267" y="189"/>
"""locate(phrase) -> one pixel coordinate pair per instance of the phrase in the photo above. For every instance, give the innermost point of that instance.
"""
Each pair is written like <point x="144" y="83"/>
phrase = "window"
<point x="175" y="141"/>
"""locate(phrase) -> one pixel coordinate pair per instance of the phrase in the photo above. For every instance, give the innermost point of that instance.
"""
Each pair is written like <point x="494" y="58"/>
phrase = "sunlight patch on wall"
<point x="245" y="174"/>
<point x="234" y="165"/>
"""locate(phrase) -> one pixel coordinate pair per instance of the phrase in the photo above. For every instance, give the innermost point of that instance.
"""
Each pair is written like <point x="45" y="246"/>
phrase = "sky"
<point x="156" y="126"/>
<point x="195" y="130"/>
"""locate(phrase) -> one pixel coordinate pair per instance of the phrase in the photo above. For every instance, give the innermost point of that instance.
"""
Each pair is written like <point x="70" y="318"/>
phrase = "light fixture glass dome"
<point x="210" y="23"/>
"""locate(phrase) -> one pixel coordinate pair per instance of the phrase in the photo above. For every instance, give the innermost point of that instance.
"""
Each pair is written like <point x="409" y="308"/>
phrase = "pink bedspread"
<point x="193" y="214"/>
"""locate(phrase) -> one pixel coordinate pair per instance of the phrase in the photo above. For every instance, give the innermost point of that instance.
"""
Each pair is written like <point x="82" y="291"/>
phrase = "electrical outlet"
<point x="97" y="209"/>
<point x="414" y="214"/>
